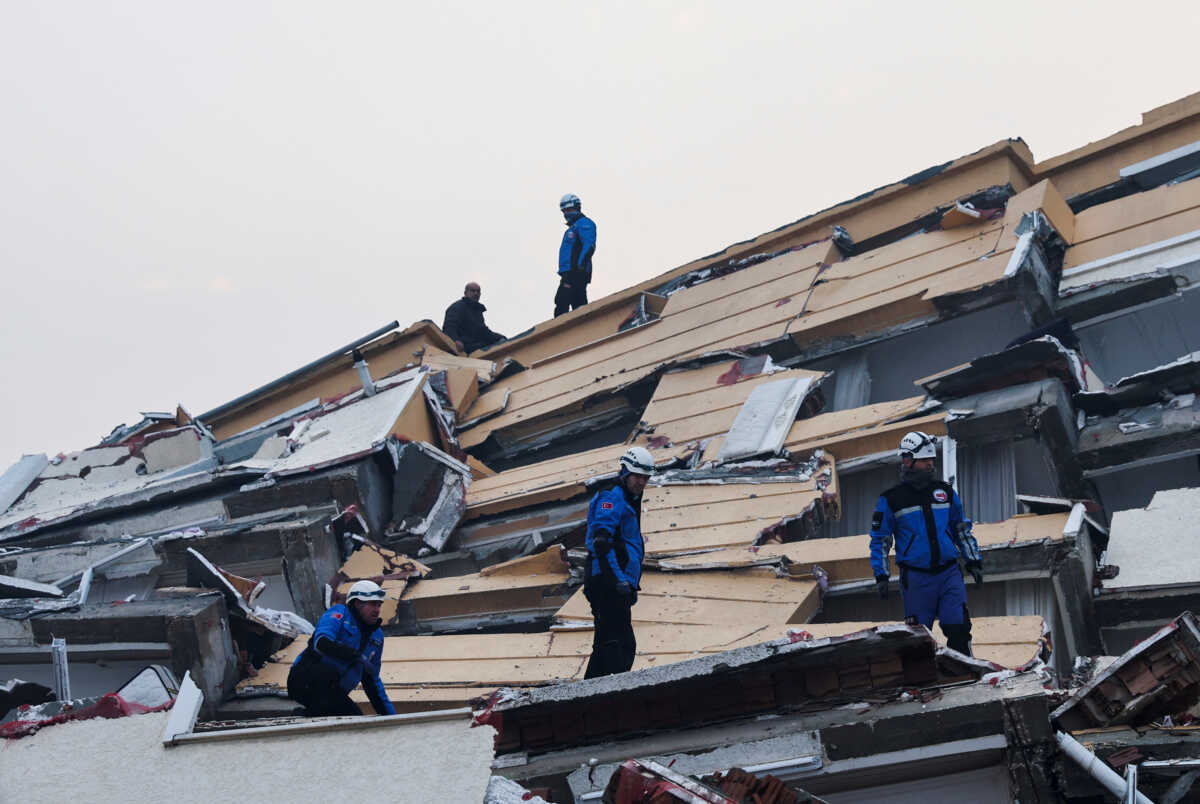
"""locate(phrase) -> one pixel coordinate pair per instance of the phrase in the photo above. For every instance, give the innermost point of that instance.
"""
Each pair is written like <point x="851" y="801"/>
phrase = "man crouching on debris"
<point x="345" y="649"/>
<point x="615" y="549"/>
<point x="925" y="518"/>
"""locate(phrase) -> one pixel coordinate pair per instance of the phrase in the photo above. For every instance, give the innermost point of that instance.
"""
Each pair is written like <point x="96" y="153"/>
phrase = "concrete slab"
<point x="1156" y="546"/>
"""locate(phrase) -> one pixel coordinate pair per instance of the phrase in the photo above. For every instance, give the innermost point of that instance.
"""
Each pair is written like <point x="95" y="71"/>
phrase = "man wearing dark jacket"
<point x="614" y="570"/>
<point x="346" y="649"/>
<point x="924" y="517"/>
<point x="464" y="322"/>
<point x="574" y="256"/>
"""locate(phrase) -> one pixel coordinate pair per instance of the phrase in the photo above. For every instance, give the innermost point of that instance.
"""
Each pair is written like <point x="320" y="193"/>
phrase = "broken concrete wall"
<point x="196" y="631"/>
<point x="365" y="483"/>
<point x="428" y="494"/>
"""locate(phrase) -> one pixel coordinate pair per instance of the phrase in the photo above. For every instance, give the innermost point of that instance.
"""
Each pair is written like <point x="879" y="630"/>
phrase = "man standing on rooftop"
<point x="924" y="517"/>
<point x="614" y="570"/>
<point x="574" y="256"/>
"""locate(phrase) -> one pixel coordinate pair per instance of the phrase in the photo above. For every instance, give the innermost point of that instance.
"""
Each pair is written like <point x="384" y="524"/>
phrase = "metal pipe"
<point x="1131" y="774"/>
<point x="364" y="373"/>
<point x="1106" y="776"/>
<point x="62" y="675"/>
<point x="228" y="406"/>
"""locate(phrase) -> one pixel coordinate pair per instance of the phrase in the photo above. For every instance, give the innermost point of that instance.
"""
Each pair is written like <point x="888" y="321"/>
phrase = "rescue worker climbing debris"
<point x="924" y="517"/>
<point x="345" y="649"/>
<point x="614" y="571"/>
<point x="574" y="256"/>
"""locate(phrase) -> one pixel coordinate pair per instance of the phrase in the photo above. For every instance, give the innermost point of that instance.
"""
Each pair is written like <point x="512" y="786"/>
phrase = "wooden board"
<point x="421" y="671"/>
<point x="441" y="360"/>
<point x="556" y="479"/>
<point x="692" y="405"/>
<point x="869" y="441"/>
<point x="739" y="306"/>
<point x="846" y="558"/>
<point x="712" y="598"/>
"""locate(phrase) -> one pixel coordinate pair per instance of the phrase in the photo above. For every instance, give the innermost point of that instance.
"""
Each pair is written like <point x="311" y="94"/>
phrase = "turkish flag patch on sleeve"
<point x="606" y="506"/>
<point x="337" y="615"/>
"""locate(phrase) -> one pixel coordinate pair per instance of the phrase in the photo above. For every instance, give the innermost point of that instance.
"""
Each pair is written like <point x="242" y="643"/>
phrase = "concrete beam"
<point x="363" y="483"/>
<point x="1147" y="432"/>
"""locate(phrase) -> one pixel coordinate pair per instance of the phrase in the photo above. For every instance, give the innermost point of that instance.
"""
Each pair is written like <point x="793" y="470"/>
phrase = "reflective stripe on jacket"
<point x="923" y="523"/>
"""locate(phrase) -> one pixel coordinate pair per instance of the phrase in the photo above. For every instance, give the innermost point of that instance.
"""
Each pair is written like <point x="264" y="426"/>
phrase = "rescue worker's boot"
<point x="958" y="637"/>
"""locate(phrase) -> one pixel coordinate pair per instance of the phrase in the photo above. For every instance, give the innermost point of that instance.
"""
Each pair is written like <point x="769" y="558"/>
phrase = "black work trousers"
<point x="572" y="297"/>
<point x="613" y="643"/>
<point x="314" y="684"/>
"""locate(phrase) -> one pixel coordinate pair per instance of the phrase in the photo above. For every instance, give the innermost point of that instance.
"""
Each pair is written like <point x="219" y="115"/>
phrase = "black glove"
<point x="881" y="583"/>
<point x="976" y="570"/>
<point x="624" y="589"/>
<point x="633" y="598"/>
<point x="328" y="647"/>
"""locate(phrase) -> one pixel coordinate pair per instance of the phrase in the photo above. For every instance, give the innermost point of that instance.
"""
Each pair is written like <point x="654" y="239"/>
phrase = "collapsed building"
<point x="1037" y="317"/>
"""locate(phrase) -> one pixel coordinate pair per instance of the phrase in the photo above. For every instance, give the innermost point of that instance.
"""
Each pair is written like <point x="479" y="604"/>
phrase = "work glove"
<point x="881" y="583"/>
<point x="976" y="570"/>
<point x="624" y="589"/>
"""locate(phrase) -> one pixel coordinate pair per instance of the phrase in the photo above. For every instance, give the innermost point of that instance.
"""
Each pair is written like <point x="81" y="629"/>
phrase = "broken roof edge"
<point x="151" y="494"/>
<point x="1015" y="148"/>
<point x="380" y="338"/>
<point x="509" y="698"/>
<point x="1157" y="119"/>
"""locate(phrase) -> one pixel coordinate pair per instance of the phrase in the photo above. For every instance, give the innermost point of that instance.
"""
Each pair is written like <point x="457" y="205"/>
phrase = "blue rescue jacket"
<point x="578" y="246"/>
<point x="611" y="516"/>
<point x="927" y="525"/>
<point x="340" y="625"/>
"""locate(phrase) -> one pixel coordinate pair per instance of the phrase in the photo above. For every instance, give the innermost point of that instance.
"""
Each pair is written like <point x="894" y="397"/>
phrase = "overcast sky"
<point x="197" y="198"/>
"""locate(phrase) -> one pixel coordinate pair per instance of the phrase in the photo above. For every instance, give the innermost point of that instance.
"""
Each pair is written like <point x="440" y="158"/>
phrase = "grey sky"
<point x="197" y="198"/>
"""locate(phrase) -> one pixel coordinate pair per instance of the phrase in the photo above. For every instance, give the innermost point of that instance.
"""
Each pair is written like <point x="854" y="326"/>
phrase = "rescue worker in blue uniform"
<point x="574" y="256"/>
<point x="345" y="649"/>
<point x="924" y="517"/>
<point x="614" y="571"/>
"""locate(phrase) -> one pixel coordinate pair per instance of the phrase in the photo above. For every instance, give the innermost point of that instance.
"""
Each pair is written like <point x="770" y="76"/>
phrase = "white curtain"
<point x="852" y="386"/>
<point x="987" y="481"/>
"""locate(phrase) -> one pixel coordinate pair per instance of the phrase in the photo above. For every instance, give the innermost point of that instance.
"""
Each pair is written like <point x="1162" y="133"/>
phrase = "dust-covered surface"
<point x="124" y="760"/>
<point x="506" y="791"/>
<point x="1142" y="538"/>
<point x="343" y="432"/>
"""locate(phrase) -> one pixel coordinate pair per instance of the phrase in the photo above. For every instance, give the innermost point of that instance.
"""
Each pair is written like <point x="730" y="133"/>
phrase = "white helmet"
<point x="638" y="461"/>
<point x="569" y="201"/>
<point x="918" y="445"/>
<point x="366" y="590"/>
